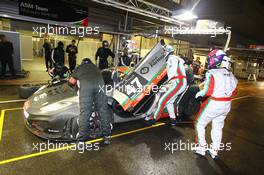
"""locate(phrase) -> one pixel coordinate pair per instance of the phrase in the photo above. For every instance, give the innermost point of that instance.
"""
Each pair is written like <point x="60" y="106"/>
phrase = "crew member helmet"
<point x="215" y="58"/>
<point x="105" y="44"/>
<point x="86" y="61"/>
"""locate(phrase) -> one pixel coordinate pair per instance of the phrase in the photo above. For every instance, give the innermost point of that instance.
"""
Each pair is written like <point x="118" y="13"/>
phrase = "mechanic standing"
<point x="91" y="95"/>
<point x="47" y="53"/>
<point x="6" y="56"/>
<point x="220" y="86"/>
<point x="103" y="53"/>
<point x="196" y="66"/>
<point x="177" y="83"/>
<point x="58" y="54"/>
<point x="72" y="50"/>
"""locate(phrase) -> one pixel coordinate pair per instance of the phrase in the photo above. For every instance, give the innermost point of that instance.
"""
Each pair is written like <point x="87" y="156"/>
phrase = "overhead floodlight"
<point x="183" y="15"/>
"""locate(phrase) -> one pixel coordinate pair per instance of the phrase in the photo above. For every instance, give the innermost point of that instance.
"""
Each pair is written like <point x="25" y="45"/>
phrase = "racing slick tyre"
<point x="189" y="105"/>
<point x="25" y="91"/>
<point x="192" y="107"/>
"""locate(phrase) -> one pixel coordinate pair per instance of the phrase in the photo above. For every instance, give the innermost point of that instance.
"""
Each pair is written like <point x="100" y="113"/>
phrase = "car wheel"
<point x="192" y="107"/>
<point x="25" y="91"/>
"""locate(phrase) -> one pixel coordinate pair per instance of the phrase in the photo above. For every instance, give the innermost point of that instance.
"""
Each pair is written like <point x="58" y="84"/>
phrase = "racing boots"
<point x="82" y="137"/>
<point x="107" y="140"/>
<point x="213" y="153"/>
<point x="200" y="150"/>
<point x="149" y="120"/>
<point x="173" y="121"/>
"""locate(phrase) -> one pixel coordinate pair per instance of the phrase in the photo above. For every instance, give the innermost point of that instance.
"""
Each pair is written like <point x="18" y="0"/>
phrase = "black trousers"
<point x="93" y="99"/>
<point x="48" y="62"/>
<point x="9" y="62"/>
<point x="72" y="63"/>
<point x="103" y="63"/>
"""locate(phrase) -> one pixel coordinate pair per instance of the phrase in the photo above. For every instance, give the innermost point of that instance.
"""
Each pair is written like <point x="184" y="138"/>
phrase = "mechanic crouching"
<point x="91" y="97"/>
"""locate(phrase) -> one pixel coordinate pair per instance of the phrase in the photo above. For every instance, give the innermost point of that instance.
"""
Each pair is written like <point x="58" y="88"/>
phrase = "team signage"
<point x="52" y="10"/>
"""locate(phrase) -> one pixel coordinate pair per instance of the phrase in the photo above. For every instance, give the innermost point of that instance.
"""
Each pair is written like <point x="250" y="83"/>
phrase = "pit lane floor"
<point x="140" y="151"/>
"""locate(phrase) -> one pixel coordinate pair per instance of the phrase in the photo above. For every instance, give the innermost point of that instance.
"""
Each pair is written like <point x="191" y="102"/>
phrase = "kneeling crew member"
<point x="91" y="95"/>
<point x="220" y="86"/>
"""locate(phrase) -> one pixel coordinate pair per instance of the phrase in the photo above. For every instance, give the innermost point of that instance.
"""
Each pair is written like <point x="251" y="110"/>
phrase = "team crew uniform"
<point x="176" y="85"/>
<point x="90" y="95"/>
<point x="103" y="53"/>
<point x="220" y="86"/>
<point x="72" y="50"/>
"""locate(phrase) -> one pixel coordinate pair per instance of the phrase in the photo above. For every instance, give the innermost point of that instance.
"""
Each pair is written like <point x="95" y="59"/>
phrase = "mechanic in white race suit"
<point x="177" y="83"/>
<point x="220" y="86"/>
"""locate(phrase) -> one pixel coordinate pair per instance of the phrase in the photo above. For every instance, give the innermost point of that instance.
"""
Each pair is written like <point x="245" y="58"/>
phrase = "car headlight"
<point x="27" y="105"/>
<point x="26" y="114"/>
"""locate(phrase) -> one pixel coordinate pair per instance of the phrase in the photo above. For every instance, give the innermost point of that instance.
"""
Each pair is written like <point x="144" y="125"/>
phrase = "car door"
<point x="138" y="83"/>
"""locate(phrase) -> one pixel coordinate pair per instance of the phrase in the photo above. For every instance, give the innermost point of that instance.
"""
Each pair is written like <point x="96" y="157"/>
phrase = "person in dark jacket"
<point x="6" y="55"/>
<point x="103" y="53"/>
<point x="58" y="54"/>
<point x="188" y="70"/>
<point x="47" y="54"/>
<point x="196" y="66"/>
<point x="59" y="71"/>
<point x="72" y="50"/>
<point x="124" y="59"/>
<point x="91" y="96"/>
<point x="0" y="54"/>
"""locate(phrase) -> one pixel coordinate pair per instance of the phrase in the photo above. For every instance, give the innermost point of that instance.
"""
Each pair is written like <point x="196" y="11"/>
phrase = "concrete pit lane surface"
<point x="135" y="148"/>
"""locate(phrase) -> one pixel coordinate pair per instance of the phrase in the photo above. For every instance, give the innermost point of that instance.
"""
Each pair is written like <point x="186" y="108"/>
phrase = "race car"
<point x="52" y="111"/>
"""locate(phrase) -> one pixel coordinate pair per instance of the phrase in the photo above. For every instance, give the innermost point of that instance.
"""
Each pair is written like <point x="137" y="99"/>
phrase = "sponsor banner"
<point x="53" y="10"/>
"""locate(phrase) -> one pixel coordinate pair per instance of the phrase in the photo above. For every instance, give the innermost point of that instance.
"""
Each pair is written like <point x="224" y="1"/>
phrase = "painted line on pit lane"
<point x="2" y="117"/>
<point x="74" y="145"/>
<point x="1" y="123"/>
<point x="68" y="147"/>
<point x="11" y="101"/>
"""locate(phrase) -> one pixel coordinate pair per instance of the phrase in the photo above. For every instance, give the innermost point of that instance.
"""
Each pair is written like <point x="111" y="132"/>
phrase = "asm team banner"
<point x="55" y="10"/>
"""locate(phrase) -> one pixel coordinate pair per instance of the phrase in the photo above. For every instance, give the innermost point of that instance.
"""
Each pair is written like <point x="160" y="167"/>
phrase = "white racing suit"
<point x="220" y="86"/>
<point x="176" y="85"/>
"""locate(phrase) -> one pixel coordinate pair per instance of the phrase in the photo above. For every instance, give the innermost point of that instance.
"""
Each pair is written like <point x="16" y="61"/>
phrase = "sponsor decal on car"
<point x="144" y="70"/>
<point x="156" y="60"/>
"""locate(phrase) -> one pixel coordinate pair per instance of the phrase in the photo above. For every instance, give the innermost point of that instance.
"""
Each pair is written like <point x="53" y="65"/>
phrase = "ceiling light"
<point x="183" y="15"/>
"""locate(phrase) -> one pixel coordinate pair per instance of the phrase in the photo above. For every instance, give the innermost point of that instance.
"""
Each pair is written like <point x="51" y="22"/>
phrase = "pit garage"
<point x="40" y="111"/>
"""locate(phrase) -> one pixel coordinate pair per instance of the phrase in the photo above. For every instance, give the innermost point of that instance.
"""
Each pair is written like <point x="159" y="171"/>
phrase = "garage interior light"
<point x="184" y="15"/>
